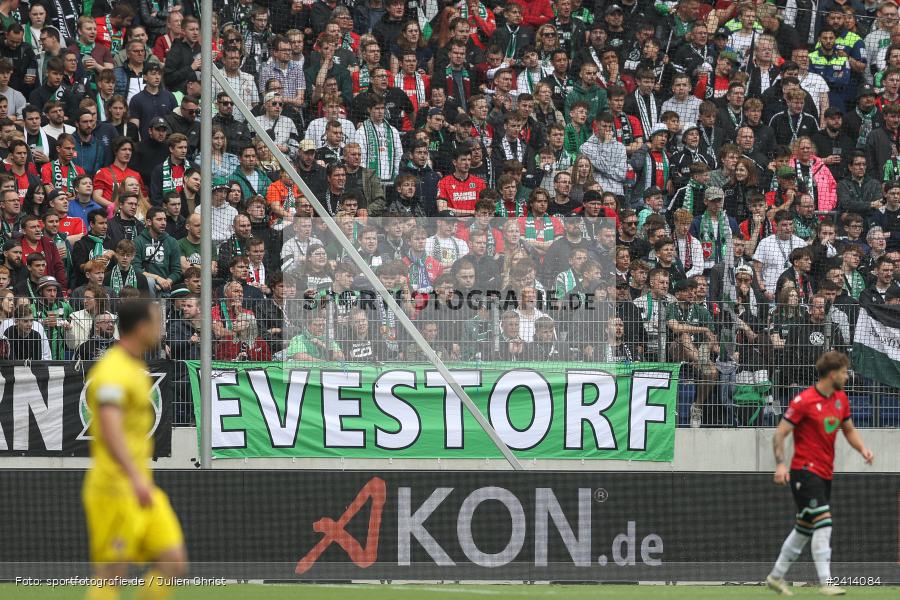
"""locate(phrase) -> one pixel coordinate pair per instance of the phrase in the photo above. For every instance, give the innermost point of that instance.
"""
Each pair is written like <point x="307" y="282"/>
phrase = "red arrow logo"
<point x="335" y="533"/>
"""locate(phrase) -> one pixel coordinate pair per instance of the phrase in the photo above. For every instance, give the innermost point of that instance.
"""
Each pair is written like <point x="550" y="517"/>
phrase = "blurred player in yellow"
<point x="129" y="519"/>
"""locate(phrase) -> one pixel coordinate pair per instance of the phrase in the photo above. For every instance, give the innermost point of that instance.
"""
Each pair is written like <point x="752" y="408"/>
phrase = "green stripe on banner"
<point x="599" y="411"/>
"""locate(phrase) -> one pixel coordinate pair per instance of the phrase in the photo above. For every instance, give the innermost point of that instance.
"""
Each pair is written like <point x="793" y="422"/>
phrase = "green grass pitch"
<point x="457" y="592"/>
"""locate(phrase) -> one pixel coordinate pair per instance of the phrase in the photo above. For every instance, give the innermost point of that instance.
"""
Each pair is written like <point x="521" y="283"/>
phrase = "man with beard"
<point x="12" y="260"/>
<point x="101" y="341"/>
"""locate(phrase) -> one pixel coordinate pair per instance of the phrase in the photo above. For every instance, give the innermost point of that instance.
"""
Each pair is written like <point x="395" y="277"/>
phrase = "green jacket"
<point x="160" y="257"/>
<point x="595" y="96"/>
<point x="246" y="189"/>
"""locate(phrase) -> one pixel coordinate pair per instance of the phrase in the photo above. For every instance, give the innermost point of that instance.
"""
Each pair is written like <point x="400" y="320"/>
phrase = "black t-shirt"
<point x="563" y="209"/>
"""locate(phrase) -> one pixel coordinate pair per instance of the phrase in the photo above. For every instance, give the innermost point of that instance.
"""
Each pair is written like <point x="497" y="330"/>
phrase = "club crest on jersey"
<point x="472" y="185"/>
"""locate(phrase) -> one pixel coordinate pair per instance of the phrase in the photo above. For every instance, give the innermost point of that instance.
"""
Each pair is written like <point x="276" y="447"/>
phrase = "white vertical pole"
<point x="206" y="108"/>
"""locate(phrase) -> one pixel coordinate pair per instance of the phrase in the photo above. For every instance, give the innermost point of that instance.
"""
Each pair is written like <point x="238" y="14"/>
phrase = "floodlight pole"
<point x="368" y="273"/>
<point x="206" y="108"/>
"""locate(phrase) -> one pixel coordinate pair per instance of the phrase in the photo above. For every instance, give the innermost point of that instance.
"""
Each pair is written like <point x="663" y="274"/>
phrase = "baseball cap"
<point x="592" y="196"/>
<point x="729" y="56"/>
<point x="434" y="112"/>
<point x="659" y="128"/>
<point x="866" y="90"/>
<point x="785" y="172"/>
<point x="613" y="8"/>
<point x="689" y="127"/>
<point x="10" y="244"/>
<point x="714" y="193"/>
<point x="307" y="146"/>
<point x="833" y="111"/>
<point x="220" y="183"/>
<point x="722" y="32"/>
<point x="47" y="280"/>
<point x="158" y="123"/>
<point x="684" y="284"/>
<point x="54" y="194"/>
<point x="652" y="191"/>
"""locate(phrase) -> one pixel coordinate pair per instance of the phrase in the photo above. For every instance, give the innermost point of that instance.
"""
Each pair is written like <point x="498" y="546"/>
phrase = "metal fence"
<point x="742" y="373"/>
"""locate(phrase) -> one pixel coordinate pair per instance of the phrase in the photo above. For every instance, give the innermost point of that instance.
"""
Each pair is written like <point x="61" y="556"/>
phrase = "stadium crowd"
<point x="708" y="180"/>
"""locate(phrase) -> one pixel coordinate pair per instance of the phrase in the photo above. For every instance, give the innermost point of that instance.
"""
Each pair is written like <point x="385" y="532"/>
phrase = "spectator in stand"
<point x="158" y="254"/>
<point x="772" y="254"/>
<point x="183" y="57"/>
<point x="34" y="242"/>
<point x="62" y="173"/>
<point x="169" y="175"/>
<point x="151" y="102"/>
<point x="24" y="342"/>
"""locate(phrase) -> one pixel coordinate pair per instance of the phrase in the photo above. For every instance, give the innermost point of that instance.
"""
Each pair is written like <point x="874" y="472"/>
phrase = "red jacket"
<point x="535" y="12"/>
<point x="55" y="264"/>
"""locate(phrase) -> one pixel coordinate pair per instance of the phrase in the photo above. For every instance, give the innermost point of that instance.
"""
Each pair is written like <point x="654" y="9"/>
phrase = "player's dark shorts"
<point x="812" y="494"/>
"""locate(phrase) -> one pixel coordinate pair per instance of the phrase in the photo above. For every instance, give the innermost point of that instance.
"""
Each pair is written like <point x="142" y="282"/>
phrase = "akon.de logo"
<point x="334" y="531"/>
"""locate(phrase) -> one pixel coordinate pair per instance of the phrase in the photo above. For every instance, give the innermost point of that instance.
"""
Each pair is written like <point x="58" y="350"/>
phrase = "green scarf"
<point x="115" y="279"/>
<point x="715" y="246"/>
<point x="374" y="148"/>
<point x="58" y="183"/>
<point x="565" y="283"/>
<point x="464" y="73"/>
<point x="891" y="169"/>
<point x="97" y="250"/>
<point x="225" y="316"/>
<point x="464" y="11"/>
<point x="86" y="49"/>
<point x="689" y="195"/>
<point x="546" y="232"/>
<point x="364" y="78"/>
<point x="511" y="45"/>
<point x="519" y="210"/>
<point x="168" y="183"/>
<point x="87" y="7"/>
<point x="855" y="284"/>
<point x="115" y="38"/>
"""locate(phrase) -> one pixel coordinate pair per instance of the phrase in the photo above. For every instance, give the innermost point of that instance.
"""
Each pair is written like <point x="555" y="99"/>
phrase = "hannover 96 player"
<point x="129" y="520"/>
<point x="814" y="417"/>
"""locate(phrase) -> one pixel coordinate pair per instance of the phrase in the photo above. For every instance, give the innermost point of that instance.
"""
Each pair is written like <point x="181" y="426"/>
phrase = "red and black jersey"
<point x="816" y="420"/>
<point x="461" y="194"/>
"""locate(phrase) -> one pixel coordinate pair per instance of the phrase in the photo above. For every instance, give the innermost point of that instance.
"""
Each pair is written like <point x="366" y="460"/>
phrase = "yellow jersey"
<point x="119" y="378"/>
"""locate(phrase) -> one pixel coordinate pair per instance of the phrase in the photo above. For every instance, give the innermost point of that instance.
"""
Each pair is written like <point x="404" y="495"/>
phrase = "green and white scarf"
<point x="565" y="283"/>
<point x="373" y="148"/>
<point x="115" y="38"/>
<point x="97" y="250"/>
<point x="464" y="10"/>
<point x="854" y="284"/>
<point x="866" y="124"/>
<point x="712" y="241"/>
<point x="891" y="169"/>
<point x="58" y="183"/>
<point x="115" y="279"/>
<point x="365" y="79"/>
<point x="651" y="167"/>
<point x="545" y="233"/>
<point x="511" y="45"/>
<point x="168" y="183"/>
<point x="689" y="195"/>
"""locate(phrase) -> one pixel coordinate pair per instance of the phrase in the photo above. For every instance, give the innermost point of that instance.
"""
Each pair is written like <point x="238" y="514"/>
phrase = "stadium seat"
<point x="861" y="407"/>
<point x="890" y="410"/>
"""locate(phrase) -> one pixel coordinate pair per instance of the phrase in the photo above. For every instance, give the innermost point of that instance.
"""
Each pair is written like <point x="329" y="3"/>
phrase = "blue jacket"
<point x="90" y="155"/>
